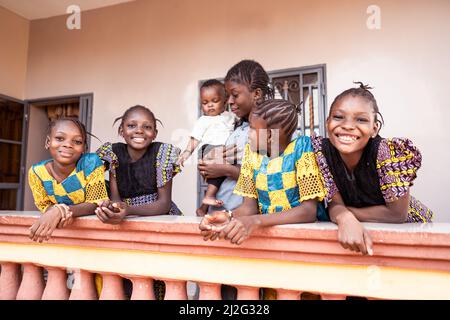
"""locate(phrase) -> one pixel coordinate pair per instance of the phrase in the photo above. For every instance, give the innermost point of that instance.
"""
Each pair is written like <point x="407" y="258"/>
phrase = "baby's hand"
<point x="183" y="157"/>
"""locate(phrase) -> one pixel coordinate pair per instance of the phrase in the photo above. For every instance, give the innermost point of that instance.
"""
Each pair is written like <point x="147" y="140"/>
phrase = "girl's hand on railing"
<point x="353" y="236"/>
<point x="240" y="228"/>
<point x="112" y="212"/>
<point x="42" y="229"/>
<point x="212" y="224"/>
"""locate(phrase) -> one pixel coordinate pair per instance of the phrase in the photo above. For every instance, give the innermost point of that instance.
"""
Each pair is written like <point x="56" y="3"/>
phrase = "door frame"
<point x="23" y="150"/>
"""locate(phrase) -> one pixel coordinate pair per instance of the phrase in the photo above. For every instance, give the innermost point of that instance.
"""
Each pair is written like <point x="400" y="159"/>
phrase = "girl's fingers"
<point x="33" y="229"/>
<point x="41" y="234"/>
<point x="48" y="233"/>
<point x="368" y="242"/>
<point x="101" y="215"/>
<point x="214" y="236"/>
<point x="108" y="213"/>
<point x="241" y="235"/>
<point x="240" y="240"/>
<point x="37" y="234"/>
<point x="233" y="232"/>
<point x="362" y="247"/>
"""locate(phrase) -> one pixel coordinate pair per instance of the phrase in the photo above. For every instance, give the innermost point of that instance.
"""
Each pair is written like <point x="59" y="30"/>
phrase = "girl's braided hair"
<point x="251" y="74"/>
<point x="279" y="113"/>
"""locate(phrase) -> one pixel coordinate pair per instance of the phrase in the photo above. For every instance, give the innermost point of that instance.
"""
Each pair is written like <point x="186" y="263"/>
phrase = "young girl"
<point x="141" y="170"/>
<point x="279" y="178"/>
<point x="211" y="130"/>
<point x="367" y="178"/>
<point x="141" y="173"/>
<point x="68" y="185"/>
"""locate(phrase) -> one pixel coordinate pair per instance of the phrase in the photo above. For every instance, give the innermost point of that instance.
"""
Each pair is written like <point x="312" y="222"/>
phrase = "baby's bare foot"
<point x="212" y="202"/>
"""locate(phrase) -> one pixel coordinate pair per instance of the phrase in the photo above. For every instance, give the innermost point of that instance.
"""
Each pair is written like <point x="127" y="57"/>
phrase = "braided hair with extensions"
<point x="363" y="92"/>
<point x="130" y="110"/>
<point x="253" y="75"/>
<point x="279" y="113"/>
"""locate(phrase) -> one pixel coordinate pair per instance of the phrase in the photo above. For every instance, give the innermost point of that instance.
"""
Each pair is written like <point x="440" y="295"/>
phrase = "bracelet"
<point x="230" y="214"/>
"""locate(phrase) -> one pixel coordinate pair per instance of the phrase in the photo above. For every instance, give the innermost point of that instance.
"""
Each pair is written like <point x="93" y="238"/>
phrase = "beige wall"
<point x="14" y="32"/>
<point x="154" y="53"/>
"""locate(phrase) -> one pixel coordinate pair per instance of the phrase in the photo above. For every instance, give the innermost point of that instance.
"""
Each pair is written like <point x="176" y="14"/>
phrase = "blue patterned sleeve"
<point x="166" y="164"/>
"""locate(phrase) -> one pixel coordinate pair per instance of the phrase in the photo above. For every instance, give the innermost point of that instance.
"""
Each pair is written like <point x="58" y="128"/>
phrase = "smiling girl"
<point x="367" y="177"/>
<point x="141" y="170"/>
<point x="68" y="185"/>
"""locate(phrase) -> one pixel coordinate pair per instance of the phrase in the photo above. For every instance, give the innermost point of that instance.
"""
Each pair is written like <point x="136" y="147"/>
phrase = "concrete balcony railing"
<point x="410" y="261"/>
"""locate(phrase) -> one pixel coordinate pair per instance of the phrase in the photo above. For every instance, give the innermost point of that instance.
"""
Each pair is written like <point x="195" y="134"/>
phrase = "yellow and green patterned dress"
<point x="284" y="182"/>
<point x="86" y="183"/>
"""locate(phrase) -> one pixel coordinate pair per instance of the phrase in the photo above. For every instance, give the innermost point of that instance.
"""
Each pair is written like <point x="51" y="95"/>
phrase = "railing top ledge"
<point x="407" y="233"/>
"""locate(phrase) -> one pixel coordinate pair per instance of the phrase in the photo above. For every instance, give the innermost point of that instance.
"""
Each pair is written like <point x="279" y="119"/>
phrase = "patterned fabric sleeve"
<point x="106" y="154"/>
<point x="245" y="185"/>
<point x="41" y="198"/>
<point x="326" y="175"/>
<point x="308" y="175"/>
<point x="397" y="163"/>
<point x="166" y="164"/>
<point x="95" y="179"/>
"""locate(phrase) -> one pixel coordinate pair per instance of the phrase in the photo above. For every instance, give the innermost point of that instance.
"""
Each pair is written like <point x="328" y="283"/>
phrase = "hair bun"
<point x="362" y="85"/>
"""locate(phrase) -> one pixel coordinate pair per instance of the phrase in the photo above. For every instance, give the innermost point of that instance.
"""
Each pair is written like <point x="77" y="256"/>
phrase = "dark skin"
<point x="246" y="217"/>
<point x="66" y="144"/>
<point x="350" y="125"/>
<point x="139" y="131"/>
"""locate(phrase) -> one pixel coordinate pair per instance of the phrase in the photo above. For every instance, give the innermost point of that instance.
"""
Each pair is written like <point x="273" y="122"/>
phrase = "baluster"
<point x="56" y="288"/>
<point x="175" y="290"/>
<point x="83" y="286"/>
<point x="283" y="294"/>
<point x="9" y="280"/>
<point x="142" y="289"/>
<point x="32" y="285"/>
<point x="112" y="287"/>
<point x="247" y="293"/>
<point x="209" y="291"/>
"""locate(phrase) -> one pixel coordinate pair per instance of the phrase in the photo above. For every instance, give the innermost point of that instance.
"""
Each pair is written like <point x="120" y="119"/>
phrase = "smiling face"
<point x="138" y="130"/>
<point x="65" y="143"/>
<point x="241" y="99"/>
<point x="213" y="100"/>
<point x="351" y="124"/>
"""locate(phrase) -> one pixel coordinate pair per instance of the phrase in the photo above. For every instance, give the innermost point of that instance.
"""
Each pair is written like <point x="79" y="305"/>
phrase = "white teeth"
<point x="347" y="138"/>
<point x="138" y="139"/>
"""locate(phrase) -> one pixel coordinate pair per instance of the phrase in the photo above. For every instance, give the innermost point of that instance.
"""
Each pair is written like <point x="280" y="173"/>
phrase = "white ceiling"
<point x="38" y="9"/>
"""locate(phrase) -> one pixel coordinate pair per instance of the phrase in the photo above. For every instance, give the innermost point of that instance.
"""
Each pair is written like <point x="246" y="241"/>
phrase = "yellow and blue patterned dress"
<point x="284" y="182"/>
<point x="86" y="183"/>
